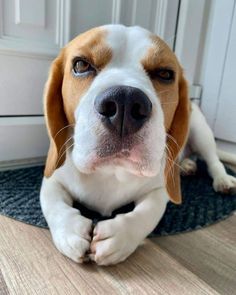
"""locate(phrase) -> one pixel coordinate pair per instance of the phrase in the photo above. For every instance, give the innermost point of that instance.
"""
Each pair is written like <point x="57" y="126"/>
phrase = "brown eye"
<point x="82" y="68"/>
<point x="165" y="75"/>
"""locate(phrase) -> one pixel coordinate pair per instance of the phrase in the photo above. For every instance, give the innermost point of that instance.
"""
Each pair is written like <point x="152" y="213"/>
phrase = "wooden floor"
<point x="200" y="262"/>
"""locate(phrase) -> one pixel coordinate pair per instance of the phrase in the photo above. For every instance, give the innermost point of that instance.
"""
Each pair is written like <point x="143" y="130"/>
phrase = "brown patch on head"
<point x="63" y="90"/>
<point x="175" y="105"/>
<point x="90" y="45"/>
<point x="161" y="56"/>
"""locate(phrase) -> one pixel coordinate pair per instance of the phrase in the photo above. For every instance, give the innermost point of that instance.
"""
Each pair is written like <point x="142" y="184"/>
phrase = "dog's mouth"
<point x="129" y="153"/>
<point x="117" y="147"/>
<point x="133" y="161"/>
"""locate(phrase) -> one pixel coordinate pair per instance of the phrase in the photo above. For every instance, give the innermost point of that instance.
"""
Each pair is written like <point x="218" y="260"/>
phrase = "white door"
<point x="31" y="34"/>
<point x="219" y="85"/>
<point x="225" y="121"/>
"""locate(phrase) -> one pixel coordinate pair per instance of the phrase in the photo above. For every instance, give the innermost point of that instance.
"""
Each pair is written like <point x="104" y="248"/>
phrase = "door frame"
<point x="189" y="35"/>
<point x="216" y="48"/>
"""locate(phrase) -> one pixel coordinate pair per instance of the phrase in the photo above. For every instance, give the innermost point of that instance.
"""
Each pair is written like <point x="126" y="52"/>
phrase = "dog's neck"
<point x="106" y="189"/>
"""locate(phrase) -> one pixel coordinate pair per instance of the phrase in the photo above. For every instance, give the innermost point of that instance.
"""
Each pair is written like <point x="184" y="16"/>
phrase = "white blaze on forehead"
<point x="129" y="44"/>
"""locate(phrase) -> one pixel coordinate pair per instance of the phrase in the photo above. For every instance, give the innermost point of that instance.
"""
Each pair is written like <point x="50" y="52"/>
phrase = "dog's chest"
<point x="105" y="192"/>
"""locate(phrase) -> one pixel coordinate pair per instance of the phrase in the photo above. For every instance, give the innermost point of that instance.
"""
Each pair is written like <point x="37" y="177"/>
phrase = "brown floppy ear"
<point x="55" y="116"/>
<point x="175" y="141"/>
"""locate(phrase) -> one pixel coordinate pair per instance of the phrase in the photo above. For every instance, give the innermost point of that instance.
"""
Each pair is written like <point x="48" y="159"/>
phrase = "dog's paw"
<point x="113" y="241"/>
<point x="189" y="167"/>
<point x="72" y="236"/>
<point x="225" y="184"/>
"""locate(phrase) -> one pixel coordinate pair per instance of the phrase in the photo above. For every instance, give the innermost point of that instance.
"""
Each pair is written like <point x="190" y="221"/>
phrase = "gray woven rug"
<point x="19" y="199"/>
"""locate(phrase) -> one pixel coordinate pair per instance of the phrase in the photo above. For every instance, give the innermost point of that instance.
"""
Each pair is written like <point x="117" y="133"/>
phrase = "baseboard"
<point x="21" y="163"/>
<point x="226" y="146"/>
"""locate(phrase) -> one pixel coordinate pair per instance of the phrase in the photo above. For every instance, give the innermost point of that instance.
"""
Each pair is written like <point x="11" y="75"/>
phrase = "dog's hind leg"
<point x="201" y="141"/>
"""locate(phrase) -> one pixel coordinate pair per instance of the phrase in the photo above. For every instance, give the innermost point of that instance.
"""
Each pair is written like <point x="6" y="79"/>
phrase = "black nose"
<point x="124" y="109"/>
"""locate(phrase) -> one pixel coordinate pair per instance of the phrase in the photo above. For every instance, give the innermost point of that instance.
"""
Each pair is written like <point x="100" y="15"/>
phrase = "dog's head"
<point x="116" y="96"/>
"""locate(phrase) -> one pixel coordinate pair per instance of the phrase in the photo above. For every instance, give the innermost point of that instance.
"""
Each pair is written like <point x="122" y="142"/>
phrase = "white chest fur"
<point x="106" y="189"/>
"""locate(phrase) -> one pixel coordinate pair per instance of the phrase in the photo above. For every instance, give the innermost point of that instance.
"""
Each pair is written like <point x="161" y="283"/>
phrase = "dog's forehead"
<point x="128" y="44"/>
<point x="116" y="44"/>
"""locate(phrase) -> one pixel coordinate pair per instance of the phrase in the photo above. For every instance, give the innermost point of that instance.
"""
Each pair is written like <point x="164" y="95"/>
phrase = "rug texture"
<point x="19" y="199"/>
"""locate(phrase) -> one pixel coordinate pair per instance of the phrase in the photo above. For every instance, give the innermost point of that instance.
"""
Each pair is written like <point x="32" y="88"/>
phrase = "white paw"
<point x="189" y="167"/>
<point x="72" y="235"/>
<point x="225" y="184"/>
<point x="113" y="241"/>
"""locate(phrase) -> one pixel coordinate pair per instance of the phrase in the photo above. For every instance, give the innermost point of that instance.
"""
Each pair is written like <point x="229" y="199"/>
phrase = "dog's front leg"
<point x="70" y="231"/>
<point x="115" y="239"/>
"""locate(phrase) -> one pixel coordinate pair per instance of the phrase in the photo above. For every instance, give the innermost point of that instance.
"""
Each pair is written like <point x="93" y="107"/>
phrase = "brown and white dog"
<point x="117" y="113"/>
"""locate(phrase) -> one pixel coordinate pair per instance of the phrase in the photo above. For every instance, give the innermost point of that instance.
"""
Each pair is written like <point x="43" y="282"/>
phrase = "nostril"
<point x="136" y="112"/>
<point x="108" y="109"/>
<point x="139" y="112"/>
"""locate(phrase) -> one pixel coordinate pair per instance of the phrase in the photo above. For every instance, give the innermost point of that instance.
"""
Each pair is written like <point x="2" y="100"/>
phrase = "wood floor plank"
<point x="31" y="265"/>
<point x="3" y="287"/>
<point x="209" y="253"/>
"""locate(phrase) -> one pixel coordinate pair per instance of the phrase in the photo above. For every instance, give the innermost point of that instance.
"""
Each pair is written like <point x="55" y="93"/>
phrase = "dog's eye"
<point x="166" y="75"/>
<point x="82" y="67"/>
<point x="163" y="75"/>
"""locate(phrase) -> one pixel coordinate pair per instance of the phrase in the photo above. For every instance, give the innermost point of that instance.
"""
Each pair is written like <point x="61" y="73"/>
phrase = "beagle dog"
<point x="117" y="113"/>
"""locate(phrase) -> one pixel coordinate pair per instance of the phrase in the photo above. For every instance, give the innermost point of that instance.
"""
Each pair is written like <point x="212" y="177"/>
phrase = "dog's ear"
<point x="177" y="135"/>
<point x="55" y="116"/>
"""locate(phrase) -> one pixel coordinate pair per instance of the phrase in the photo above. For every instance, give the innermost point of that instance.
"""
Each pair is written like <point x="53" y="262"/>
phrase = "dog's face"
<point x="123" y="91"/>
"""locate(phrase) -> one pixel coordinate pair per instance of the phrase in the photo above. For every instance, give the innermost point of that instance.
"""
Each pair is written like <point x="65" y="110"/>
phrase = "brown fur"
<point x="176" y="106"/>
<point x="178" y="132"/>
<point x="55" y="116"/>
<point x="63" y="92"/>
<point x="92" y="46"/>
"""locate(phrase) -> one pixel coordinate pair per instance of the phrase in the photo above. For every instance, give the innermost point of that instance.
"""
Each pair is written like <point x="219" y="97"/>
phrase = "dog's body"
<point x="121" y="93"/>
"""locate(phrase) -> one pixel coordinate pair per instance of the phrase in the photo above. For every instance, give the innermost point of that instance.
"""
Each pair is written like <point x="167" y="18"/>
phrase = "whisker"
<point x="171" y="159"/>
<point x="63" y="154"/>
<point x="181" y="168"/>
<point x="67" y="126"/>
<point x="171" y="151"/>
<point x="170" y="168"/>
<point x="173" y="139"/>
<point x="65" y="144"/>
<point x="169" y="162"/>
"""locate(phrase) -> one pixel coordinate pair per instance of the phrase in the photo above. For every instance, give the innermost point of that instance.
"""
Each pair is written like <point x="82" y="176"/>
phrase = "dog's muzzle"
<point x="123" y="109"/>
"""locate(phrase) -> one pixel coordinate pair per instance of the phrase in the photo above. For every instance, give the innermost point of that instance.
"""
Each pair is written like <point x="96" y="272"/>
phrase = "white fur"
<point x="106" y="186"/>
<point x="201" y="141"/>
<point x="120" y="236"/>
<point x="129" y="45"/>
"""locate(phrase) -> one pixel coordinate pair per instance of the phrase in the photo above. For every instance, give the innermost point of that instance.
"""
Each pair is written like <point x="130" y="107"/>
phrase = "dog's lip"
<point x="122" y="154"/>
<point x="122" y="160"/>
<point x="115" y="146"/>
<point x="131" y="156"/>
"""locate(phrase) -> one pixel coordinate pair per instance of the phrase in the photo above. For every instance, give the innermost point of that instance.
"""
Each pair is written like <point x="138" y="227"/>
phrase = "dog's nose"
<point x="124" y="109"/>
